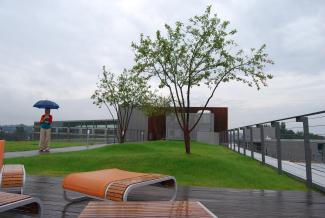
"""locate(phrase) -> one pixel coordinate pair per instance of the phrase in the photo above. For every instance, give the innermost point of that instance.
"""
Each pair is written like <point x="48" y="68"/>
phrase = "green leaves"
<point x="126" y="89"/>
<point x="123" y="92"/>
<point x="157" y="105"/>
<point x="202" y="52"/>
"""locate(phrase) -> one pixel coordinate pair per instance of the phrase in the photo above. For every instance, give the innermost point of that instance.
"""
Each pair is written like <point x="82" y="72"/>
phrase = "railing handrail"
<point x="287" y="118"/>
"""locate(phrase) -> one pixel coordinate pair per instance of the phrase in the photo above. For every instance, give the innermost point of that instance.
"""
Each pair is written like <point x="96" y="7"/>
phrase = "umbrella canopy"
<point x="46" y="104"/>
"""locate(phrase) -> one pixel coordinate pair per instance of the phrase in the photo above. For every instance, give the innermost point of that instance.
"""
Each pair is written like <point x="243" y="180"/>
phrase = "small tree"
<point x="122" y="93"/>
<point x="200" y="53"/>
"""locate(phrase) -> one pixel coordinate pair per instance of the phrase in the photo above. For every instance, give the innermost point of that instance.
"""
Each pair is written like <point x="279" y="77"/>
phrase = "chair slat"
<point x="129" y="209"/>
<point x="7" y="198"/>
<point x="116" y="189"/>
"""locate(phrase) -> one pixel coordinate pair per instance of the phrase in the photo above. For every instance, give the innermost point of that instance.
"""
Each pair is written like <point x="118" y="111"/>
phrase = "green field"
<point x="33" y="145"/>
<point x="208" y="165"/>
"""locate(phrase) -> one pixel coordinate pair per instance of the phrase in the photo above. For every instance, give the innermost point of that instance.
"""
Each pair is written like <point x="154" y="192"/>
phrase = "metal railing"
<point x="298" y="153"/>
<point x="91" y="135"/>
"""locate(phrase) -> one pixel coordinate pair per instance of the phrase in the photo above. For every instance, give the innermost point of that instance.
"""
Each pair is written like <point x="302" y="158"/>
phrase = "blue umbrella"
<point x="46" y="104"/>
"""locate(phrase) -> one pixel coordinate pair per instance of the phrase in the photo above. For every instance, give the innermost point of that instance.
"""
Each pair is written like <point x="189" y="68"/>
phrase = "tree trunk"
<point x="187" y="140"/>
<point x="122" y="139"/>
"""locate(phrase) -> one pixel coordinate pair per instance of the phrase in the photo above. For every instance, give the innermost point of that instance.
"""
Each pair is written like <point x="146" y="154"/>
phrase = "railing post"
<point x="276" y="125"/>
<point x="251" y="141"/>
<point x="262" y="142"/>
<point x="304" y="121"/>
<point x="244" y="140"/>
<point x="88" y="133"/>
<point x="222" y="138"/>
<point x="238" y="140"/>
<point x="228" y="137"/>
<point x="68" y="133"/>
<point x="106" y="135"/>
<point x="234" y="139"/>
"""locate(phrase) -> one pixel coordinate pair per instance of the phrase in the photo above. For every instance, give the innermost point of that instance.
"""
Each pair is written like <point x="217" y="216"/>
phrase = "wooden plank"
<point x="145" y="209"/>
<point x="7" y="198"/>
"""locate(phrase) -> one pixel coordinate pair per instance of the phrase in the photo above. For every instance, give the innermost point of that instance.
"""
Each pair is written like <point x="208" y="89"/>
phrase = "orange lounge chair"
<point x="189" y="209"/>
<point x="112" y="184"/>
<point x="12" y="176"/>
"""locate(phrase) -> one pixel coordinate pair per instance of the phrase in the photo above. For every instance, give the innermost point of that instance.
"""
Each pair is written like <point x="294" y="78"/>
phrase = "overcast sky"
<point x="56" y="49"/>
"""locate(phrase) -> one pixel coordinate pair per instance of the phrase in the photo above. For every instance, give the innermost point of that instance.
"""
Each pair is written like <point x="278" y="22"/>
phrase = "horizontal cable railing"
<point x="92" y="135"/>
<point x="295" y="145"/>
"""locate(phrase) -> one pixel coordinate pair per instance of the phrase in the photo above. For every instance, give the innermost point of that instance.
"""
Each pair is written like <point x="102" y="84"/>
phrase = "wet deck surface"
<point x="222" y="202"/>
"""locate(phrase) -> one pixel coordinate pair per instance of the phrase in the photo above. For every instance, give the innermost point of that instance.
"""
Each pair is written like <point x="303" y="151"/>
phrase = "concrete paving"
<point x="53" y="150"/>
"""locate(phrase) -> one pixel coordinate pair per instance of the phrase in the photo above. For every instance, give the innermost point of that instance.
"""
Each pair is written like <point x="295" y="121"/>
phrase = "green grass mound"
<point x="208" y="165"/>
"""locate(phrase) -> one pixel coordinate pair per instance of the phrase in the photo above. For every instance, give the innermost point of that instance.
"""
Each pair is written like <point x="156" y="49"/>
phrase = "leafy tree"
<point x="20" y="132"/>
<point x="122" y="93"/>
<point x="290" y="134"/>
<point x="2" y="133"/>
<point x="157" y="105"/>
<point x="200" y="53"/>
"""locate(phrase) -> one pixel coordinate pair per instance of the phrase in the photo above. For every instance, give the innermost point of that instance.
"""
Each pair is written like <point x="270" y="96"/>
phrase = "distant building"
<point x="96" y="130"/>
<point x="141" y="127"/>
<point x="292" y="149"/>
<point x="214" y="119"/>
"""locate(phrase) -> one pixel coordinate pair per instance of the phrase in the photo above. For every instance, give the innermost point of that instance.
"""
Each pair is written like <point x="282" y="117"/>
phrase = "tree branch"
<point x="207" y="102"/>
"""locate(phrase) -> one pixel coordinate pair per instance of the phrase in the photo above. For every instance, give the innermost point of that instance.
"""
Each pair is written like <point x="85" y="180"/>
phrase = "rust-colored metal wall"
<point x="156" y="127"/>
<point x="157" y="124"/>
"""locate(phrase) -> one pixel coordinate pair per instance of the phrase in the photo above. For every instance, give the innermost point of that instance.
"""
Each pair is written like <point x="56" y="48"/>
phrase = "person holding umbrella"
<point x="45" y="124"/>
<point x="45" y="131"/>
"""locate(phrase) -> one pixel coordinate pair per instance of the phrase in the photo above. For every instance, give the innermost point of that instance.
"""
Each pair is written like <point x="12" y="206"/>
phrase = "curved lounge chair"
<point x="22" y="203"/>
<point x="12" y="176"/>
<point x="112" y="184"/>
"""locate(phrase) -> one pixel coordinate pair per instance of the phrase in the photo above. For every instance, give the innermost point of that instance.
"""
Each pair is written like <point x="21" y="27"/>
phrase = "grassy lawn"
<point x="33" y="145"/>
<point x="208" y="165"/>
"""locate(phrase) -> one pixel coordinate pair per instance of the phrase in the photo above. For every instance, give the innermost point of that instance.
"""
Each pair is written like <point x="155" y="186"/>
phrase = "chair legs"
<point x="77" y="199"/>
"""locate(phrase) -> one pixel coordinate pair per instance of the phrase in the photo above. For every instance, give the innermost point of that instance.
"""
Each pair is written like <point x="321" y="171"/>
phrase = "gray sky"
<point x="55" y="50"/>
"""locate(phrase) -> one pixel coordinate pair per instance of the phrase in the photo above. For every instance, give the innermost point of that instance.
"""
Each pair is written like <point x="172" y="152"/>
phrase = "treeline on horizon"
<point x="16" y="132"/>
<point x="290" y="134"/>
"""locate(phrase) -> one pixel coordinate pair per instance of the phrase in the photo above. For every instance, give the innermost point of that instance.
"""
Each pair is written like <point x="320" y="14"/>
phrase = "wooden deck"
<point x="222" y="202"/>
